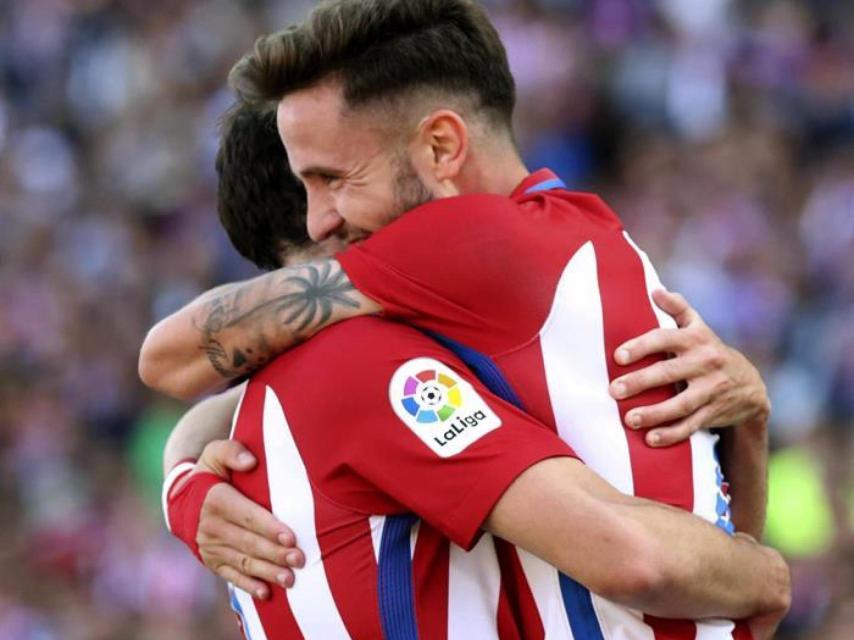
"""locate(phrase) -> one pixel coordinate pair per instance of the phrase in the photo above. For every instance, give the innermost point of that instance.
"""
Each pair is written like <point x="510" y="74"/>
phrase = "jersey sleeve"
<point x="401" y="426"/>
<point x="462" y="267"/>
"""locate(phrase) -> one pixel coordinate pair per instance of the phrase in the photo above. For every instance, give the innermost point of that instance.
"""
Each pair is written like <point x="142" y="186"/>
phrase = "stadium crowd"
<point x="722" y="132"/>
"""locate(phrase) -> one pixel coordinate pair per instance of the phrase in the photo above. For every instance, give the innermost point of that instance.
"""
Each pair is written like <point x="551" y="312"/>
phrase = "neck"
<point x="496" y="170"/>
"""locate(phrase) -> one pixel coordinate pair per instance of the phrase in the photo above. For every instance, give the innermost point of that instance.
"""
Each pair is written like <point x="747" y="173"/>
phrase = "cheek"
<point x="366" y="208"/>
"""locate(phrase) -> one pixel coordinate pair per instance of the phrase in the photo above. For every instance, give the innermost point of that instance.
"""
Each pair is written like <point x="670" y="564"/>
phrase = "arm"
<point x="235" y="329"/>
<point x="744" y="459"/>
<point x="505" y="472"/>
<point x="199" y="435"/>
<point x="209" y="420"/>
<point x="671" y="564"/>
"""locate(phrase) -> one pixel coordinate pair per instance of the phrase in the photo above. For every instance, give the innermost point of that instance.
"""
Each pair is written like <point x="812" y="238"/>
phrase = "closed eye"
<point x="323" y="175"/>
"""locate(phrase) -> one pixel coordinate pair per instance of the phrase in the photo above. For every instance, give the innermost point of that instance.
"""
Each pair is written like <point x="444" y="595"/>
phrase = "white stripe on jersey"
<point x="474" y="580"/>
<point x="377" y="524"/>
<point x="572" y="342"/>
<point x="545" y="587"/>
<point x="237" y="411"/>
<point x="413" y="538"/>
<point x="310" y="598"/>
<point x="252" y="627"/>
<point x="620" y="623"/>
<point x="715" y="630"/>
<point x="652" y="283"/>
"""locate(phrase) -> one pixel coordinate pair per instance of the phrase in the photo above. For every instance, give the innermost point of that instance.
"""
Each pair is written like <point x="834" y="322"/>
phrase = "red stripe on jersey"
<point x="524" y="370"/>
<point x="350" y="565"/>
<point x="275" y="612"/>
<point x="665" y="629"/>
<point x="664" y="475"/>
<point x="430" y="574"/>
<point x="741" y="631"/>
<point x="518" y="616"/>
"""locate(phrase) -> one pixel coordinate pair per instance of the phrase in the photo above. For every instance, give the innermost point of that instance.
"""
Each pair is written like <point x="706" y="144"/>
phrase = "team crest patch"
<point x="440" y="407"/>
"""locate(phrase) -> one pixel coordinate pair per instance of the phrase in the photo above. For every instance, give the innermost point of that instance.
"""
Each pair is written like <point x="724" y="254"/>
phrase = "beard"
<point x="409" y="191"/>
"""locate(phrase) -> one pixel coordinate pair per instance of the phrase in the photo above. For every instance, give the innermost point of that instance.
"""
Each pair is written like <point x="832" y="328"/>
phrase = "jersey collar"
<point x="541" y="180"/>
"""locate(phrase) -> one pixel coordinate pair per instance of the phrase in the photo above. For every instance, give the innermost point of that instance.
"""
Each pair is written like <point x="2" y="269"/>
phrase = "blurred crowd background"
<point x="722" y="132"/>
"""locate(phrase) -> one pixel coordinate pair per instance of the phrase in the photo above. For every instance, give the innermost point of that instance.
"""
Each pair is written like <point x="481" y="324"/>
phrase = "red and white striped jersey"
<point x="535" y="293"/>
<point x="355" y="431"/>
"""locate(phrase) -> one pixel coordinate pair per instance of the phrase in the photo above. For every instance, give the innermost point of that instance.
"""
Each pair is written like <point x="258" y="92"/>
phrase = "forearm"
<point x="234" y="330"/>
<point x="645" y="555"/>
<point x="702" y="572"/>
<point x="207" y="421"/>
<point x="744" y="459"/>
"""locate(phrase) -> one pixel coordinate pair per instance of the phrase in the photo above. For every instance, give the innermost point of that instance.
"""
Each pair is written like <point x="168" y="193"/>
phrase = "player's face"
<point x="354" y="184"/>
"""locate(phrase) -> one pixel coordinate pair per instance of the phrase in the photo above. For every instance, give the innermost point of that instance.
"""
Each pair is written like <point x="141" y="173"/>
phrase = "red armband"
<point x="184" y="492"/>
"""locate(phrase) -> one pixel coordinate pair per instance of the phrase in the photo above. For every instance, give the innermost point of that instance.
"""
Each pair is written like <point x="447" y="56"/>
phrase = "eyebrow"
<point x="311" y="171"/>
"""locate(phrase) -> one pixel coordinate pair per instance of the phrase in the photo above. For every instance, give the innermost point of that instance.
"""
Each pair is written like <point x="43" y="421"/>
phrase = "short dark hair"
<point x="261" y="204"/>
<point x="381" y="49"/>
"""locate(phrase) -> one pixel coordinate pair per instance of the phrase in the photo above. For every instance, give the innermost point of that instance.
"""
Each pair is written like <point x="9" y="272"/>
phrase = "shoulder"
<point x="352" y="353"/>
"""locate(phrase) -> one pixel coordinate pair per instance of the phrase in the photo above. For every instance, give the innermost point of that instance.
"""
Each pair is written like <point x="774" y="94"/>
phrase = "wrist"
<point x="176" y="477"/>
<point x="184" y="496"/>
<point x="758" y="397"/>
<point x="777" y="590"/>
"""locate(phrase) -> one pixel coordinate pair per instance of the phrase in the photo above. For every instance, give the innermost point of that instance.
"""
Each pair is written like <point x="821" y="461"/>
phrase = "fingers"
<point x="692" y="330"/>
<point x="222" y="456"/>
<point x="252" y="544"/>
<point x="659" y="374"/>
<point x="676" y="408"/>
<point x="225" y="501"/>
<point x="676" y="433"/>
<point x="674" y="305"/>
<point x="250" y="567"/>
<point x="652" y="342"/>
<point x="255" y="587"/>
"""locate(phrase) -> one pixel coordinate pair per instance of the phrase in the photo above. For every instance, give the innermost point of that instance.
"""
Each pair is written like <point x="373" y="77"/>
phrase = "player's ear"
<point x="440" y="149"/>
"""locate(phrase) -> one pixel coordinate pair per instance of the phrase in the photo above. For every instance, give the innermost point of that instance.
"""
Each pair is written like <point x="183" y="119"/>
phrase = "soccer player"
<point x="323" y="479"/>
<point x="536" y="286"/>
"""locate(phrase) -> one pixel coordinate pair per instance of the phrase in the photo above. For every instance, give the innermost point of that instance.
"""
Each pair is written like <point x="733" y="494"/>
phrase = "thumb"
<point x="223" y="456"/>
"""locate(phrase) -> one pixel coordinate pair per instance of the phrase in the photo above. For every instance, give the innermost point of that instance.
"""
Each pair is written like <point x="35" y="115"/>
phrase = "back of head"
<point x="382" y="50"/>
<point x="260" y="203"/>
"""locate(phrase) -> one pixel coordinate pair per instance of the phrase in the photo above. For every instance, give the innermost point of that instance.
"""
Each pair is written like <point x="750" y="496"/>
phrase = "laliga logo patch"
<point x="439" y="407"/>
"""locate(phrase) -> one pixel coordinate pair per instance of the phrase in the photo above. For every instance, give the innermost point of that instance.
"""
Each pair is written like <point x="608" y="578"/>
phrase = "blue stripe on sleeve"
<point x="554" y="183"/>
<point x="397" y="600"/>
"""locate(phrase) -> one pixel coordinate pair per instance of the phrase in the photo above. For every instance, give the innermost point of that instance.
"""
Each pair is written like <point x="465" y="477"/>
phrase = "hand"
<point x="763" y="626"/>
<point x="238" y="540"/>
<point x="723" y="387"/>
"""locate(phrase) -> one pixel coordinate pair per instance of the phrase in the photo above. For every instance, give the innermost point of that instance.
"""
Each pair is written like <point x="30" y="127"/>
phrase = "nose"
<point x="322" y="219"/>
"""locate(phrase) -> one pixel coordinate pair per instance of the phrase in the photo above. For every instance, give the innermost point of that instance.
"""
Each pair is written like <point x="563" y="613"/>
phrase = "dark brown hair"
<point x="382" y="49"/>
<point x="260" y="202"/>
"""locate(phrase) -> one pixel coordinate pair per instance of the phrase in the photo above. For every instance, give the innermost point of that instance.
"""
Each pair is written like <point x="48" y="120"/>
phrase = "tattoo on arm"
<point x="239" y="323"/>
<point x="319" y="291"/>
